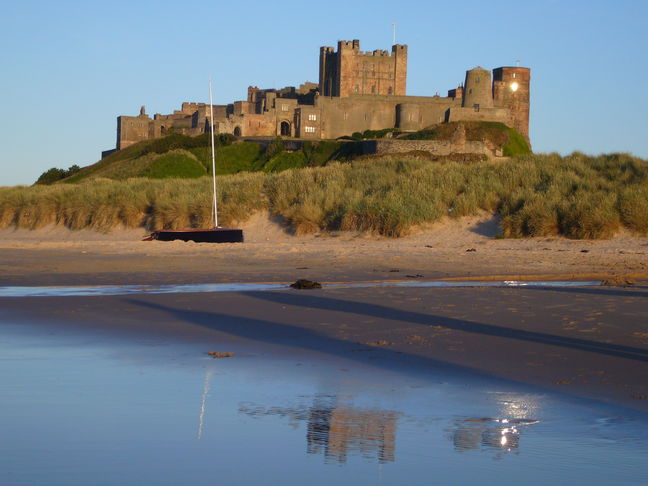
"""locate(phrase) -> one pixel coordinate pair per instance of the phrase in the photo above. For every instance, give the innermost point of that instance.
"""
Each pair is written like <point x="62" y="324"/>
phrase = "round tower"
<point x="407" y="116"/>
<point x="478" y="91"/>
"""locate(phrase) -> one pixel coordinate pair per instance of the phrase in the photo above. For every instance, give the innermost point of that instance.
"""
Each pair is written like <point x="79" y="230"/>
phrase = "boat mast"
<point x="211" y="122"/>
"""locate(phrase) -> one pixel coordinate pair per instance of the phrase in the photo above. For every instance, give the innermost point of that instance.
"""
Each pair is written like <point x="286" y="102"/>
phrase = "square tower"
<point x="350" y="72"/>
<point x="512" y="90"/>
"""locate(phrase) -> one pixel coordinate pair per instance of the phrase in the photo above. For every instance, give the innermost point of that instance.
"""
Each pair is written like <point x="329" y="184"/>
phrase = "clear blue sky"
<point x="69" y="68"/>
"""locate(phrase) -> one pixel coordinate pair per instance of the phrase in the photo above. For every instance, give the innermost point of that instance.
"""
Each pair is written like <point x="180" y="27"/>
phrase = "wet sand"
<point x="588" y="343"/>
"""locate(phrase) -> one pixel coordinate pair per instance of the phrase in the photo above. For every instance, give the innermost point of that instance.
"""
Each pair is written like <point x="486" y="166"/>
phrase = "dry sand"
<point x="465" y="248"/>
<point x="586" y="342"/>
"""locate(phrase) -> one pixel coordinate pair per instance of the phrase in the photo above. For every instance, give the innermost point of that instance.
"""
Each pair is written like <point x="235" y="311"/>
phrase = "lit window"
<point x="356" y="88"/>
<point x="346" y="115"/>
<point x="312" y="117"/>
<point x="284" y="107"/>
<point x="309" y="129"/>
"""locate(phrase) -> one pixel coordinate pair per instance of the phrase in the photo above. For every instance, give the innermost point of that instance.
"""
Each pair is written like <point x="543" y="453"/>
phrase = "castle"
<point x="357" y="91"/>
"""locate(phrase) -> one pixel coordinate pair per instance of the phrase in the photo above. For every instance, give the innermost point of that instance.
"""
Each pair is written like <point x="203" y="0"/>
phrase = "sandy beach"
<point x="586" y="342"/>
<point x="464" y="248"/>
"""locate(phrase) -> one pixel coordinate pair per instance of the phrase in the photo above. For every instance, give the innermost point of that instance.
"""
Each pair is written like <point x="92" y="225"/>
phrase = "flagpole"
<point x="211" y="122"/>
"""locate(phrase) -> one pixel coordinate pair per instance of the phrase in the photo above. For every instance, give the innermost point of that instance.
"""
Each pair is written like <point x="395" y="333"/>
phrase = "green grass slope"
<point x="577" y="196"/>
<point x="182" y="156"/>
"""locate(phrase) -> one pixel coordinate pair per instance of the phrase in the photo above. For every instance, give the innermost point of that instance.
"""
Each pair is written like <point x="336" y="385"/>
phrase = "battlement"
<point x="352" y="45"/>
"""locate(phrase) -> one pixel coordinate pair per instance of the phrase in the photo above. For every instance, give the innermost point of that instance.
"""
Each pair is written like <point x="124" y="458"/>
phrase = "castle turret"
<point x="399" y="52"/>
<point x="478" y="91"/>
<point x="408" y="116"/>
<point x="512" y="90"/>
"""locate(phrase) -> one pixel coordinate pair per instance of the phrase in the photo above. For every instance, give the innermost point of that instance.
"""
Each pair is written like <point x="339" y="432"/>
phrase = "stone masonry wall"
<point x="434" y="147"/>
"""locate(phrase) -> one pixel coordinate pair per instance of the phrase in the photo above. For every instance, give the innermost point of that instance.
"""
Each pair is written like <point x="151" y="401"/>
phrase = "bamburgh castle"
<point x="356" y="91"/>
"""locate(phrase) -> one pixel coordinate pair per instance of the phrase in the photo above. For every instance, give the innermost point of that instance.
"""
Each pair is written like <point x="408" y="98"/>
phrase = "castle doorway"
<point x="285" y="129"/>
<point x="237" y="131"/>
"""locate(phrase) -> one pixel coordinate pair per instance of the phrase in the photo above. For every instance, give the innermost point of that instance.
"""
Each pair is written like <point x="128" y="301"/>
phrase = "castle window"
<point x="356" y="88"/>
<point x="284" y="107"/>
<point x="476" y="106"/>
<point x="373" y="89"/>
<point x="390" y="90"/>
<point x="346" y="115"/>
<point x="514" y="75"/>
<point x="312" y="117"/>
<point x="309" y="129"/>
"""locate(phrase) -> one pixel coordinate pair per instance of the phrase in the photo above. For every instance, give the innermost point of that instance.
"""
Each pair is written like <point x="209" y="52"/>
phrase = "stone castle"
<point x="356" y="91"/>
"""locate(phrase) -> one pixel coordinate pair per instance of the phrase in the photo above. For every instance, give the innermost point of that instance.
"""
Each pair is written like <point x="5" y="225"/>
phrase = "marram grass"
<point x="577" y="196"/>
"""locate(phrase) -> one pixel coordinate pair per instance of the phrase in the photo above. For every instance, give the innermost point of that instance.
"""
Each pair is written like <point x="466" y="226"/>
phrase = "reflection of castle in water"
<point x="336" y="430"/>
<point x="339" y="429"/>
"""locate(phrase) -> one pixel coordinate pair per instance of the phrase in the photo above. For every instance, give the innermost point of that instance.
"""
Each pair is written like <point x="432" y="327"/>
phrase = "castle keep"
<point x="357" y="91"/>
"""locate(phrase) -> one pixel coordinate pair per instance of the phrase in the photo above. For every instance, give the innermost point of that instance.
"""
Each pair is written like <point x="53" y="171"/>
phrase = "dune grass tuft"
<point x="577" y="196"/>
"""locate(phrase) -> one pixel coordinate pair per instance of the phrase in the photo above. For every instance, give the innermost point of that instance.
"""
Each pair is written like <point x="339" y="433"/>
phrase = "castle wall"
<point x="459" y="113"/>
<point x="344" y="116"/>
<point x="131" y="130"/>
<point x="433" y="147"/>
<point x="308" y="122"/>
<point x="263" y="125"/>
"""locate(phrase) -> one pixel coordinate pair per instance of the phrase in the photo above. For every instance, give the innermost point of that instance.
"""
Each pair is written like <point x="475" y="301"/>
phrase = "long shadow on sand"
<point x="635" y="292"/>
<point x="380" y="311"/>
<point x="284" y="334"/>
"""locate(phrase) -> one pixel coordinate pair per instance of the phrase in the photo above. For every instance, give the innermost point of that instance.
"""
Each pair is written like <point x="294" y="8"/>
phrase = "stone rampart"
<point x="433" y="147"/>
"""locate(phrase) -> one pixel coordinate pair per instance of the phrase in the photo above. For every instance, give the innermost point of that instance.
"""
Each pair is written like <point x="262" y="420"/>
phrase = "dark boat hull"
<point x="216" y="235"/>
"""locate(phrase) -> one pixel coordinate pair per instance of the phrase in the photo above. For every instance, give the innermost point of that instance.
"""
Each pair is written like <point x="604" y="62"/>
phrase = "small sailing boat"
<point x="211" y="235"/>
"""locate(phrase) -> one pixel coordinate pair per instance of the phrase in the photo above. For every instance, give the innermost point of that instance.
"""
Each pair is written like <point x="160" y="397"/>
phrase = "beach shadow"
<point x="283" y="334"/>
<point x="384" y="312"/>
<point x="637" y="291"/>
<point x="489" y="228"/>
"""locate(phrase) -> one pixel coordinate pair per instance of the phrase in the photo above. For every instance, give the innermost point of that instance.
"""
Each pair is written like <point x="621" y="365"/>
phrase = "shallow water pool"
<point x="81" y="410"/>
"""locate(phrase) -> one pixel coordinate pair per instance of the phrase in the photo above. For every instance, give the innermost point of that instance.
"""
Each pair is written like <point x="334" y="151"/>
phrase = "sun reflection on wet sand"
<point x="499" y="435"/>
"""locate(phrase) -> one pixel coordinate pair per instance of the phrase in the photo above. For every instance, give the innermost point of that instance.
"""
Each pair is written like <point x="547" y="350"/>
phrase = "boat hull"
<point x="216" y="235"/>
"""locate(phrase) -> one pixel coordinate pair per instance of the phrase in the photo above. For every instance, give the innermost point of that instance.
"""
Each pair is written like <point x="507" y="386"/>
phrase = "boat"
<point x="212" y="235"/>
<point x="217" y="234"/>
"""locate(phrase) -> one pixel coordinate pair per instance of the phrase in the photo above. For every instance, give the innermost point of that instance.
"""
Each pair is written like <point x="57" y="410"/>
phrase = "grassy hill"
<point x="577" y="196"/>
<point x="181" y="156"/>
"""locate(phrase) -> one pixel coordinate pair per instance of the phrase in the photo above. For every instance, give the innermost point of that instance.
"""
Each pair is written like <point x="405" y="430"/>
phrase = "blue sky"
<point x="69" y="68"/>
